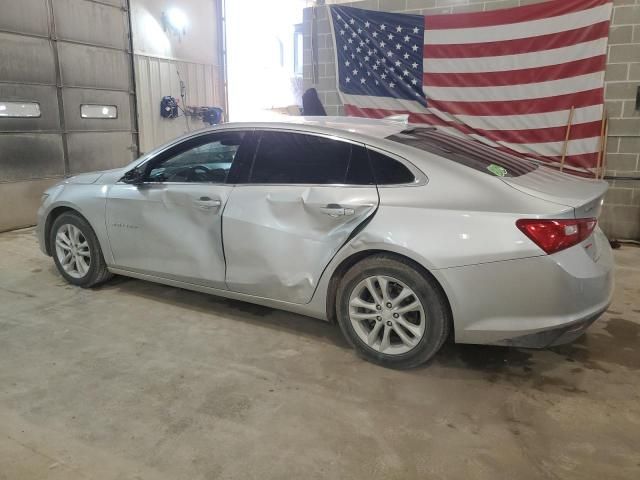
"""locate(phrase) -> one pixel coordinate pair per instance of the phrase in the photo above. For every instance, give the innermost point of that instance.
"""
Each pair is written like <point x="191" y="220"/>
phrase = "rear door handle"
<point x="337" y="211"/>
<point x="206" y="203"/>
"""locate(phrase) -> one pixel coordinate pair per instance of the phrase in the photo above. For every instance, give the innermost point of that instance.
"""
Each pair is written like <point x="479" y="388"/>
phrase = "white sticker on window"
<point x="19" y="109"/>
<point x="98" y="111"/>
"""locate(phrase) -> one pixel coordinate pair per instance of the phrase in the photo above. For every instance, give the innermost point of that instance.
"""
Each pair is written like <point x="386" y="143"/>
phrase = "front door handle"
<point x="334" y="210"/>
<point x="206" y="203"/>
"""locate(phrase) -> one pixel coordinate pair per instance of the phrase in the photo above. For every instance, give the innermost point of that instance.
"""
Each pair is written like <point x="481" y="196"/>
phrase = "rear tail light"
<point x="555" y="235"/>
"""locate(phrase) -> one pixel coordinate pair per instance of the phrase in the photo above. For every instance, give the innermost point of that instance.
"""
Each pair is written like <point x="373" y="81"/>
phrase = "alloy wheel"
<point x="387" y="315"/>
<point x="72" y="250"/>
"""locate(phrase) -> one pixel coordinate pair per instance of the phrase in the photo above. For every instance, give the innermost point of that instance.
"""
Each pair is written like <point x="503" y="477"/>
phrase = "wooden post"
<point x="566" y="138"/>
<point x="604" y="146"/>
<point x="601" y="147"/>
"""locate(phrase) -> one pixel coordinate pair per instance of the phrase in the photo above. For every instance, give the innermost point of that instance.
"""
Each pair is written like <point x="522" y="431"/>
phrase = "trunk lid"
<point x="584" y="195"/>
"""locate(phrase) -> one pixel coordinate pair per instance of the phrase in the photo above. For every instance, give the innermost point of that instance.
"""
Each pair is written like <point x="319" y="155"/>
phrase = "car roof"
<point x="348" y="127"/>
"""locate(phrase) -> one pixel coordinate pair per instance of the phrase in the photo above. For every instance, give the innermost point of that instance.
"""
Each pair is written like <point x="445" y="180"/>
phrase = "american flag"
<point x="508" y="78"/>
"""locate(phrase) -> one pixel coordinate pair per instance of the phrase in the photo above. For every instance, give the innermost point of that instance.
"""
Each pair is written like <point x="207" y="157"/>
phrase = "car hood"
<point x="100" y="177"/>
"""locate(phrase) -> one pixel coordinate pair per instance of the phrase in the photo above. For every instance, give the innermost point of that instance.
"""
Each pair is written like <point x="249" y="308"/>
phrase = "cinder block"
<point x="619" y="196"/>
<point x="612" y="144"/>
<point x="629" y="110"/>
<point x="630" y="144"/>
<point x="626" y="15"/>
<point x="329" y="70"/>
<point x="634" y="71"/>
<point x="332" y="98"/>
<point x="393" y="5"/>
<point x="327" y="83"/>
<point x="624" y="53"/>
<point x="467" y="8"/>
<point x="623" y="34"/>
<point x="616" y="71"/>
<point x="326" y="55"/>
<point x="530" y="2"/>
<point x="624" y="126"/>
<point x="501" y="4"/>
<point x="621" y="90"/>
<point x="614" y="108"/>
<point x="622" y="161"/>
<point x="420" y="4"/>
<point x="451" y="3"/>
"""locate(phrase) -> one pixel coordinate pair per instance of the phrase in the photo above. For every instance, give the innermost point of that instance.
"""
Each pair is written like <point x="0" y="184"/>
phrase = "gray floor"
<point x="135" y="380"/>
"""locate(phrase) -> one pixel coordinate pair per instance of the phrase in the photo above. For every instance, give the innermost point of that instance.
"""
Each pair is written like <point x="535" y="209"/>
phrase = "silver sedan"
<point x="403" y="235"/>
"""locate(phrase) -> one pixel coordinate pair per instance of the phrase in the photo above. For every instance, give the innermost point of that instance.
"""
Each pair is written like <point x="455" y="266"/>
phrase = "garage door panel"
<point x="75" y="98"/>
<point x="94" y="67"/>
<point x="25" y="16"/>
<point x="116" y="3"/>
<point x="20" y="202"/>
<point x="30" y="155"/>
<point x="44" y="95"/>
<point x="100" y="25"/>
<point x="26" y="59"/>
<point x="99" y="150"/>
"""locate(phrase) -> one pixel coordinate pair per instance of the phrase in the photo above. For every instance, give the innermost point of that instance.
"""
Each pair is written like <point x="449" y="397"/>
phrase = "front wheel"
<point x="391" y="313"/>
<point x="76" y="251"/>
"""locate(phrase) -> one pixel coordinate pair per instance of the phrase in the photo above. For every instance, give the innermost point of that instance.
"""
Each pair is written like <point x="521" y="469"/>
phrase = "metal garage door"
<point x="68" y="61"/>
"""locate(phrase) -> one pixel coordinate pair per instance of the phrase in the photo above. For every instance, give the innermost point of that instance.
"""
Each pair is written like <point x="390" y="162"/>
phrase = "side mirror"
<point x="134" y="177"/>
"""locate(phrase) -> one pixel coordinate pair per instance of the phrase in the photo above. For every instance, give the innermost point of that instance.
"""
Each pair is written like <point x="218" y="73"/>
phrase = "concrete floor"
<point x="141" y="381"/>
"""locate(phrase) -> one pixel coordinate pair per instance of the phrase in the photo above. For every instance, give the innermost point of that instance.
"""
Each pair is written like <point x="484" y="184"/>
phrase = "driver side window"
<point x="199" y="160"/>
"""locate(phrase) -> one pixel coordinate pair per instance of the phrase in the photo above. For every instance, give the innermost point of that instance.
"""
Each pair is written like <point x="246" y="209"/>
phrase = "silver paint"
<point x="280" y="245"/>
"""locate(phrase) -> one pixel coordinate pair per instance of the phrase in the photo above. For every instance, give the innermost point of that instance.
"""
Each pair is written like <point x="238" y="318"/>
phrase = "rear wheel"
<point x="76" y="251"/>
<point x="391" y="313"/>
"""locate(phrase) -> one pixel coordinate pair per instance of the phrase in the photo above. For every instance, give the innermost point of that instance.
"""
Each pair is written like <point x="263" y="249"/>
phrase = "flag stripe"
<point x="517" y="107"/>
<point x="558" y="118"/>
<point x="506" y="93"/>
<point x="502" y="63"/>
<point x="578" y="154"/>
<point x="508" y="16"/>
<point x="519" y="45"/>
<point x="517" y="77"/>
<point x="510" y="31"/>
<point x="525" y="136"/>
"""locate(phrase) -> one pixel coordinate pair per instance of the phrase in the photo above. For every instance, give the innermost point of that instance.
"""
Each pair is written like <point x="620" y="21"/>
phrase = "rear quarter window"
<point x="388" y="171"/>
<point x="465" y="152"/>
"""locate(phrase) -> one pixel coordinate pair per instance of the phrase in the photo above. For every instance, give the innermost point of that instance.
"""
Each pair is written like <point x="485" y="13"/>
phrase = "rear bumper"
<point x="555" y="336"/>
<point x="532" y="302"/>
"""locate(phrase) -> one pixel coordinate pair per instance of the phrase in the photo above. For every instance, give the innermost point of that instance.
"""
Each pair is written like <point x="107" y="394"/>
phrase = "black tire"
<point x="97" y="272"/>
<point x="434" y="304"/>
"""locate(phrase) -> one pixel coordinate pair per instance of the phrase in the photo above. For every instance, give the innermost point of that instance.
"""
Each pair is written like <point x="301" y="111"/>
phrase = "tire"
<point x="427" y="324"/>
<point x="86" y="250"/>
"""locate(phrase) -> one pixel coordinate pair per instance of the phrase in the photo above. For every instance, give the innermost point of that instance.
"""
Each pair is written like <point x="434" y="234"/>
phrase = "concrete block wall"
<point x="621" y="216"/>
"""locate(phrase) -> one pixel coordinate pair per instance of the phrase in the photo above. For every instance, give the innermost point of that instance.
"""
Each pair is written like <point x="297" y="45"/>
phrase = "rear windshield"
<point x="466" y="152"/>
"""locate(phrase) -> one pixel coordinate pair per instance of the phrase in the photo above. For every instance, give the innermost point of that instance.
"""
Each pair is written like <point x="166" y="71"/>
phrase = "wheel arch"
<point x="51" y="217"/>
<point x="351" y="260"/>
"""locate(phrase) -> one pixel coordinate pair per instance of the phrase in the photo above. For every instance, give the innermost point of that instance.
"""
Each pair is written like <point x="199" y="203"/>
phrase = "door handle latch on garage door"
<point x="334" y="210"/>
<point x="206" y="203"/>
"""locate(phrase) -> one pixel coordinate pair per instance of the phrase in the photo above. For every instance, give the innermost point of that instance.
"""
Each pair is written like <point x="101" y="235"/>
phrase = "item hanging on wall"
<point x="497" y="77"/>
<point x="311" y="105"/>
<point x="168" y="107"/>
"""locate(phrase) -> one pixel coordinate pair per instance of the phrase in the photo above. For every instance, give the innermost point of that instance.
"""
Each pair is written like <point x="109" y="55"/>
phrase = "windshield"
<point x="466" y="152"/>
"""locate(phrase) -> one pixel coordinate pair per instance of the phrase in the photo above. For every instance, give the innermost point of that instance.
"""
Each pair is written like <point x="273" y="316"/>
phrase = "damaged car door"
<point x="301" y="198"/>
<point x="166" y="220"/>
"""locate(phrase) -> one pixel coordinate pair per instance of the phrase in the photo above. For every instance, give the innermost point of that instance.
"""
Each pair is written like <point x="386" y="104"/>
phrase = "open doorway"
<point x="264" y="58"/>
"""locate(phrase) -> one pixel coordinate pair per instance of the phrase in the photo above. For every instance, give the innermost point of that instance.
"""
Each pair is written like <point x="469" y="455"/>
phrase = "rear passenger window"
<point x="293" y="158"/>
<point x="388" y="171"/>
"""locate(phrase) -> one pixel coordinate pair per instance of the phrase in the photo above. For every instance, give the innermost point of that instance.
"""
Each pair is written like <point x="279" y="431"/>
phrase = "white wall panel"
<point x="158" y="77"/>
